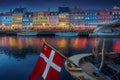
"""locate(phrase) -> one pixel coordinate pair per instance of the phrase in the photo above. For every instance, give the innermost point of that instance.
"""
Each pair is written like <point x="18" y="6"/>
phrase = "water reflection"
<point x="20" y="46"/>
<point x="116" y="46"/>
<point x="21" y="53"/>
<point x="19" y="42"/>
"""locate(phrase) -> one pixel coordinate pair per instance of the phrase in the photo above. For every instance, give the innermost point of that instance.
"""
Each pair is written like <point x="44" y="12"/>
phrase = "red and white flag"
<point x="48" y="66"/>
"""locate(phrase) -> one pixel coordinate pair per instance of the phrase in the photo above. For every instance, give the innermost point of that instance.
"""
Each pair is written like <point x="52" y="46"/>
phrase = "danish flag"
<point x="48" y="66"/>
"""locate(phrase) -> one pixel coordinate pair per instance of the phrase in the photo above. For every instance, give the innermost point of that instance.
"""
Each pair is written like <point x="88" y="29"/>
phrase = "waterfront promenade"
<point x="45" y="32"/>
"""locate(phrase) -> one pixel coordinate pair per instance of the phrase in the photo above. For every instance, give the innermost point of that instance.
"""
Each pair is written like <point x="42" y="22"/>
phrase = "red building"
<point x="76" y="16"/>
<point x="104" y="16"/>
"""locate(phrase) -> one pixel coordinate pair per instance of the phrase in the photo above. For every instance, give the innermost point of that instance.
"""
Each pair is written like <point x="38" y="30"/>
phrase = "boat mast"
<point x="102" y="56"/>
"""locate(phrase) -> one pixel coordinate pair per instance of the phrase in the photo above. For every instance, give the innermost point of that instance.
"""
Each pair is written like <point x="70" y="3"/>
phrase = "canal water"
<point x="18" y="55"/>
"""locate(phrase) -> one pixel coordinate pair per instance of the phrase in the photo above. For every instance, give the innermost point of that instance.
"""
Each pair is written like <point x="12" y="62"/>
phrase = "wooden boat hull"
<point x="86" y="69"/>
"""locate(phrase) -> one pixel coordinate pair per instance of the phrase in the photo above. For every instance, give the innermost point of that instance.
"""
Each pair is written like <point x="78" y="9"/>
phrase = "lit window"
<point x="75" y="17"/>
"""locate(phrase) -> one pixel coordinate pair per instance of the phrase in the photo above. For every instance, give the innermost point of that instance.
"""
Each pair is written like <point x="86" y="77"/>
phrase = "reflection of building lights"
<point x="93" y="42"/>
<point x="79" y="42"/>
<point x="62" y="43"/>
<point x="4" y="41"/>
<point x="20" y="43"/>
<point x="116" y="46"/>
<point x="36" y="41"/>
<point x="12" y="42"/>
<point x="31" y="42"/>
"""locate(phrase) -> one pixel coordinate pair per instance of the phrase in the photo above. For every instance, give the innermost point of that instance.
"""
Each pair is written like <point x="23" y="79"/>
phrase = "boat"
<point x="94" y="66"/>
<point x="108" y="30"/>
<point x="105" y="34"/>
<point x="67" y="33"/>
<point x="86" y="71"/>
<point x="27" y="33"/>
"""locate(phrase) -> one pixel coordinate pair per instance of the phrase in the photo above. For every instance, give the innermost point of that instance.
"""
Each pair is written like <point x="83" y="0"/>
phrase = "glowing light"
<point x="116" y="46"/>
<point x="79" y="43"/>
<point x="43" y="24"/>
<point x="62" y="24"/>
<point x="62" y="43"/>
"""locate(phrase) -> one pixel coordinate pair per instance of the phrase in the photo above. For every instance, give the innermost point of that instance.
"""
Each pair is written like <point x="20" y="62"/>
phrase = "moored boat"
<point x="107" y="30"/>
<point x="105" y="34"/>
<point x="27" y="33"/>
<point x="86" y="71"/>
<point x="67" y="33"/>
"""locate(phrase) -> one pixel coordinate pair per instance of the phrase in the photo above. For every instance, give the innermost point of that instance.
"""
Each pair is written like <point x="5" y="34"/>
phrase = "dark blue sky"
<point x="5" y="5"/>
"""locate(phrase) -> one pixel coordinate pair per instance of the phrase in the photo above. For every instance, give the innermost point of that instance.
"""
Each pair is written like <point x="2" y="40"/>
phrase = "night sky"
<point x="41" y="5"/>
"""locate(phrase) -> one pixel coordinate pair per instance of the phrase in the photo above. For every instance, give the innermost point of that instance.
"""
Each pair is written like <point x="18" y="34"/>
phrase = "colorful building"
<point x="18" y="17"/>
<point x="76" y="17"/>
<point x="47" y="18"/>
<point x="115" y="12"/>
<point x="91" y="17"/>
<point x="54" y="19"/>
<point x="64" y="17"/>
<point x="6" y="19"/>
<point x="104" y="16"/>
<point x="39" y="19"/>
<point x="35" y="21"/>
<point x="27" y="19"/>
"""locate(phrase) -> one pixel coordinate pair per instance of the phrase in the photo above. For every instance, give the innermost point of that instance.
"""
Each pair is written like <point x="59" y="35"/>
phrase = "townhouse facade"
<point x="27" y="19"/>
<point x="54" y="19"/>
<point x="64" y="17"/>
<point x="17" y="17"/>
<point x="115" y="12"/>
<point x="76" y="17"/>
<point x="91" y="17"/>
<point x="6" y="19"/>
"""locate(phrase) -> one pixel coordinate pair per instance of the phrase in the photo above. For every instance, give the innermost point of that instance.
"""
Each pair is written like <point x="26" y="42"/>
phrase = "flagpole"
<point x="61" y="54"/>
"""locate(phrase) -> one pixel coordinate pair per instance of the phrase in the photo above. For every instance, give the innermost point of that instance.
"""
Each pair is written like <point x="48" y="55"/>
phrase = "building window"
<point x="75" y="17"/>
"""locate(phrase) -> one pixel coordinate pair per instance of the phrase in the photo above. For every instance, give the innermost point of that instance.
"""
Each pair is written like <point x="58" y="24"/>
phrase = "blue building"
<point x="27" y="19"/>
<point x="91" y="17"/>
<point x="115" y="12"/>
<point x="6" y="19"/>
<point x="76" y="17"/>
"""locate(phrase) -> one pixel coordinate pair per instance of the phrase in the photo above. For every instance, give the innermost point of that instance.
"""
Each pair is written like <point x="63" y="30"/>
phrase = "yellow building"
<point x="47" y="18"/>
<point x="17" y="20"/>
<point x="40" y="19"/>
<point x="17" y="17"/>
<point x="64" y="20"/>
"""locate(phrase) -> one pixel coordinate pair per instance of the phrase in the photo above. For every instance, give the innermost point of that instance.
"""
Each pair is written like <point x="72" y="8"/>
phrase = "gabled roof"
<point x="19" y="10"/>
<point x="6" y="14"/>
